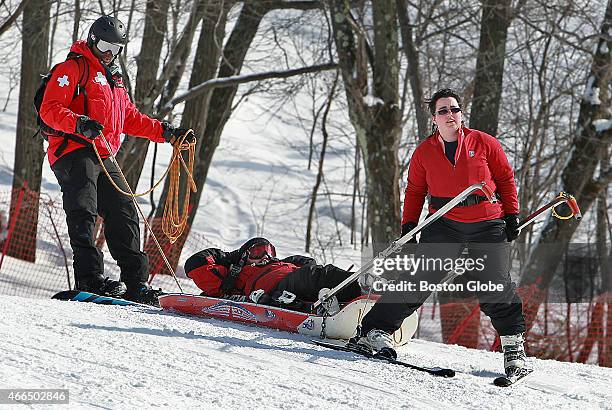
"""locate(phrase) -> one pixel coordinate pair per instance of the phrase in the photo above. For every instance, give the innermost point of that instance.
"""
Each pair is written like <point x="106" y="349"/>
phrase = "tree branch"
<point x="7" y="24"/>
<point x="604" y="179"/>
<point x="295" y="5"/>
<point x="240" y="79"/>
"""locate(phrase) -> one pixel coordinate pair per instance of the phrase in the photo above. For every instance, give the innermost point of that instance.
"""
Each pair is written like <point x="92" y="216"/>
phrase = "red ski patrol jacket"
<point x="209" y="267"/>
<point x="479" y="158"/>
<point x="107" y="102"/>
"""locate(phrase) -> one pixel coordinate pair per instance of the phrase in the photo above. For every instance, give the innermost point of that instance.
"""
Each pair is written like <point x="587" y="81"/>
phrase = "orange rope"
<point x="173" y="221"/>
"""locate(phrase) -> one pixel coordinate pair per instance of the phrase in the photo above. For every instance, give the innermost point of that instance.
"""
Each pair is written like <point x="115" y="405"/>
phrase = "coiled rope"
<point x="173" y="221"/>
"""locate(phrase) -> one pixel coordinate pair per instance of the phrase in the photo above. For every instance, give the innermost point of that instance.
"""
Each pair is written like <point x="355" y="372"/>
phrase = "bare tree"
<point x="315" y="188"/>
<point x="133" y="152"/>
<point x="6" y="24"/>
<point x="413" y="70"/>
<point x="374" y="113"/>
<point x="496" y="18"/>
<point x="594" y="134"/>
<point x="210" y="126"/>
<point x="29" y="153"/>
<point x="604" y="256"/>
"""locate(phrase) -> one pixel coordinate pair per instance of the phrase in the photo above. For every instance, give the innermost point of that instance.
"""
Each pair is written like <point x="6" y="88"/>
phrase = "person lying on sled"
<point x="253" y="273"/>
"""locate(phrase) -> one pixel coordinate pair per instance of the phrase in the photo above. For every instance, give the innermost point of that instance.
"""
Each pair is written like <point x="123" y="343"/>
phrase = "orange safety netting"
<point x="36" y="261"/>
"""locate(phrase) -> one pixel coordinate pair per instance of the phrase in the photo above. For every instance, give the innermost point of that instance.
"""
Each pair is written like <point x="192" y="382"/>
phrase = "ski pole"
<point x="563" y="197"/>
<point x="398" y="243"/>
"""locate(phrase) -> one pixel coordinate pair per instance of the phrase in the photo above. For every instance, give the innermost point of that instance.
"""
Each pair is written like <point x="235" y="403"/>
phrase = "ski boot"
<point x="376" y="342"/>
<point x="102" y="286"/>
<point x="143" y="293"/>
<point x="514" y="354"/>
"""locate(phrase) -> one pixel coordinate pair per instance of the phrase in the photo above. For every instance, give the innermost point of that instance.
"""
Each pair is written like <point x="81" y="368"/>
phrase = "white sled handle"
<point x="398" y="243"/>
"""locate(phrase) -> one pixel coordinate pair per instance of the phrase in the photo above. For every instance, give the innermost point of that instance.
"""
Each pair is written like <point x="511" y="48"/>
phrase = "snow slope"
<point x="115" y="357"/>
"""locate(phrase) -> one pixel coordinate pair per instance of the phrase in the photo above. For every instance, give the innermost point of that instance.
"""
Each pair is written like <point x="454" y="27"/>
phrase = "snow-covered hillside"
<point x="114" y="357"/>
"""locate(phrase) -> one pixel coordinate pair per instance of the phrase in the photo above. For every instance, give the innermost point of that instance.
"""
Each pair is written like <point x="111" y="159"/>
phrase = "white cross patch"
<point x="63" y="81"/>
<point x="100" y="79"/>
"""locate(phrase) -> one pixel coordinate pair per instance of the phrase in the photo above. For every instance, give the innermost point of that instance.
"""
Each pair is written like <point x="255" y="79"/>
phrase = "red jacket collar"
<point x="436" y="139"/>
<point x="463" y="132"/>
<point x="81" y="47"/>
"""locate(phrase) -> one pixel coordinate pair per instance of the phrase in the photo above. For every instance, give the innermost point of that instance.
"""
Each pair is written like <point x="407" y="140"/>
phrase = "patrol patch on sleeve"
<point x="63" y="81"/>
<point x="100" y="79"/>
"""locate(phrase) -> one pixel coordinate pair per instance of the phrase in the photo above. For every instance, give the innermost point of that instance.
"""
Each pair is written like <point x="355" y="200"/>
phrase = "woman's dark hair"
<point x="443" y="93"/>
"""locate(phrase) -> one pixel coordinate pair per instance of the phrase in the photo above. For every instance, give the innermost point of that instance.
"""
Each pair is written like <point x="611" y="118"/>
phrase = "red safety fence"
<point x="36" y="261"/>
<point x="36" y="258"/>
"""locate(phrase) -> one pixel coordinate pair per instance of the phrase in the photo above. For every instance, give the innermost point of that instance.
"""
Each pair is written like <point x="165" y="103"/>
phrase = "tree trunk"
<point x="133" y="151"/>
<point x="578" y="175"/>
<point x="29" y="153"/>
<point x="315" y="188"/>
<point x="6" y="24"/>
<point x="604" y="255"/>
<point x="494" y="25"/>
<point x="377" y="117"/>
<point x="209" y="124"/>
<point x="413" y="71"/>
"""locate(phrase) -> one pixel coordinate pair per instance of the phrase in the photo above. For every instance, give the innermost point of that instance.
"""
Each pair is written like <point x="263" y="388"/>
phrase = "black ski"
<point x="436" y="371"/>
<point x="80" y="296"/>
<point x="506" y="381"/>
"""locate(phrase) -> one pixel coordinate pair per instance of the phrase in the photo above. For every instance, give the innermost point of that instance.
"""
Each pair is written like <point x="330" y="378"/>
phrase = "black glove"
<point x="407" y="227"/>
<point x="172" y="134"/>
<point x="87" y="127"/>
<point x="512" y="224"/>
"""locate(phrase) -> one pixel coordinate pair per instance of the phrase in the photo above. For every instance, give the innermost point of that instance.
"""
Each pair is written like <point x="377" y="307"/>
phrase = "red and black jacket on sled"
<point x="255" y="266"/>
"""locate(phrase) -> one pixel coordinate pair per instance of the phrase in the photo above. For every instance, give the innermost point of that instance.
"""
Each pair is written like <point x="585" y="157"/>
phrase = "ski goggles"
<point x="445" y="111"/>
<point x="259" y="251"/>
<point x="105" y="46"/>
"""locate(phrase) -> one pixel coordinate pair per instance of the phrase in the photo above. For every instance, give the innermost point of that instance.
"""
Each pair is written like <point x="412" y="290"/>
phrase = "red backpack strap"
<point x="84" y="76"/>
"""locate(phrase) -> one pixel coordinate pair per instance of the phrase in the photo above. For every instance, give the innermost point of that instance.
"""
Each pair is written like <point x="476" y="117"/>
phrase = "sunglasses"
<point x="105" y="46"/>
<point x="257" y="252"/>
<point x="445" y="111"/>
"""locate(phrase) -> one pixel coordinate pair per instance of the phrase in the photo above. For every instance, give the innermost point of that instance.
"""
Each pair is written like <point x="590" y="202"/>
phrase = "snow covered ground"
<point x="115" y="358"/>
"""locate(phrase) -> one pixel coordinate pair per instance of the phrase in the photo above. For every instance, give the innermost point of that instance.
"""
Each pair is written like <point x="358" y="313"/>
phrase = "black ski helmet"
<point x="109" y="29"/>
<point x="256" y="241"/>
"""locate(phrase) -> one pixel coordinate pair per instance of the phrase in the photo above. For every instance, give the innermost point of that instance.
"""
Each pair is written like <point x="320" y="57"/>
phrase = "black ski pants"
<point x="306" y="282"/>
<point x="447" y="239"/>
<point x="87" y="193"/>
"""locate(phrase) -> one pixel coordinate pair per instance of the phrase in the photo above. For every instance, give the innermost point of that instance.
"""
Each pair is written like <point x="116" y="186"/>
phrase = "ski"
<point x="80" y="296"/>
<point x="436" y="371"/>
<point x="506" y="381"/>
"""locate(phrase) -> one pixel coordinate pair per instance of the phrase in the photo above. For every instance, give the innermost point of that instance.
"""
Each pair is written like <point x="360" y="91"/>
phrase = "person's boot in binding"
<point x="514" y="353"/>
<point x="102" y="286"/>
<point x="143" y="293"/>
<point x="375" y="341"/>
